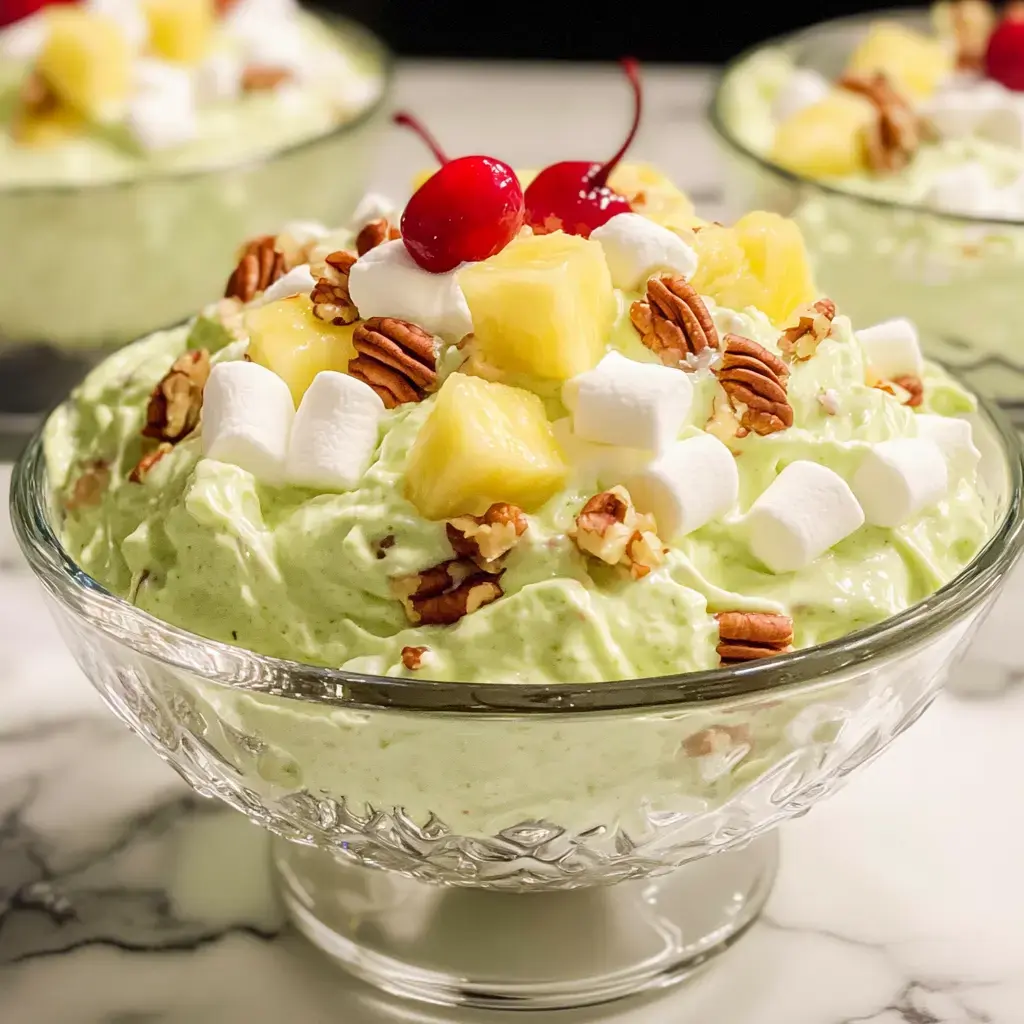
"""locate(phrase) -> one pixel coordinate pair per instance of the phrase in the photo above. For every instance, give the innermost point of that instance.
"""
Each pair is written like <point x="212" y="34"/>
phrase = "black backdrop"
<point x="655" y="30"/>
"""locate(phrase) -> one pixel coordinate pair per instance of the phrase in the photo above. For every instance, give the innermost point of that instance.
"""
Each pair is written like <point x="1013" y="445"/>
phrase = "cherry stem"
<point x="408" y="121"/>
<point x="632" y="70"/>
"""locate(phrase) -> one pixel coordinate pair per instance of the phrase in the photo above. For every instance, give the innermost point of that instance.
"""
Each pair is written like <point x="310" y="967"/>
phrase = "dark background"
<point x="703" y="31"/>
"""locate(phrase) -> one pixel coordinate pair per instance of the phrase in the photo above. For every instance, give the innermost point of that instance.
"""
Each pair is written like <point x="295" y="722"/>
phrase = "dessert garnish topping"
<point x="895" y="134"/>
<point x="747" y="636"/>
<point x="755" y="381"/>
<point x="574" y="195"/>
<point x="177" y="401"/>
<point x="716" y="739"/>
<point x="331" y="299"/>
<point x="467" y="211"/>
<point x="148" y="461"/>
<point x="673" y="321"/>
<point x="259" y="266"/>
<point x="262" y="77"/>
<point x="413" y="658"/>
<point x="811" y="325"/>
<point x="445" y="593"/>
<point x="908" y="388"/>
<point x="396" y="358"/>
<point x="610" y="529"/>
<point x="375" y="233"/>
<point x="89" y="485"/>
<point x="1004" y="58"/>
<point x="486" y="539"/>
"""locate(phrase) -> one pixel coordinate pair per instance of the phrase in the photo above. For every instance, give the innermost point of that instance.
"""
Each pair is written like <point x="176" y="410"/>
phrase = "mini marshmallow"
<point x="130" y="18"/>
<point x="803" y="512"/>
<point x="162" y="113"/>
<point x="687" y="486"/>
<point x="297" y="281"/>
<point x="387" y="281"/>
<point x="802" y="89"/>
<point x="958" y="111"/>
<point x="624" y="402"/>
<point x="603" y="464"/>
<point x="899" y="478"/>
<point x="219" y="77"/>
<point x="373" y="206"/>
<point x="955" y="438"/>
<point x="1005" y="123"/>
<point x="247" y="419"/>
<point x="635" y="247"/>
<point x="335" y="433"/>
<point x="967" y="191"/>
<point x="892" y="348"/>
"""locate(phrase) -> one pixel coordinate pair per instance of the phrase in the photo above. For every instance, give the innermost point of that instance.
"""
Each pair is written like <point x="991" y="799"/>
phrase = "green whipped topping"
<point x="294" y="574"/>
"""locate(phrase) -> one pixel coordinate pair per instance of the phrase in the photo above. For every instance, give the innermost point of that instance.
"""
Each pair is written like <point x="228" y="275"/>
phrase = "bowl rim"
<point x="382" y="57"/>
<point x="237" y="668"/>
<point x="718" y="122"/>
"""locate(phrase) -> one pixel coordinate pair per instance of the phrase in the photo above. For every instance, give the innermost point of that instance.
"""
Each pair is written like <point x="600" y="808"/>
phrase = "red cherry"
<point x="469" y="210"/>
<point x="574" y="196"/>
<point x="1004" y="60"/>
<point x="14" y="10"/>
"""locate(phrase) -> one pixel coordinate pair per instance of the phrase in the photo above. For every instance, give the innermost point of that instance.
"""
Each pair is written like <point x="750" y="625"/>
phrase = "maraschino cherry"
<point x="1004" y="60"/>
<point x="573" y="196"/>
<point x="14" y="10"/>
<point x="469" y="210"/>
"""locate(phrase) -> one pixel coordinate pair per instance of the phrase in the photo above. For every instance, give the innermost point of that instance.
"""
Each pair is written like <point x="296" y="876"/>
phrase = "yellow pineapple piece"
<point x="86" y="62"/>
<point x="46" y="128"/>
<point x="913" y="61"/>
<point x="655" y="196"/>
<point x="482" y="442"/>
<point x="544" y="305"/>
<point x="180" y="30"/>
<point x="761" y="261"/>
<point x="286" y="337"/>
<point x="825" y="139"/>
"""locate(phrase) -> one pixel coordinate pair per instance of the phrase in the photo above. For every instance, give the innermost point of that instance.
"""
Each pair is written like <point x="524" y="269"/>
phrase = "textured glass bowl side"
<point x="957" y="277"/>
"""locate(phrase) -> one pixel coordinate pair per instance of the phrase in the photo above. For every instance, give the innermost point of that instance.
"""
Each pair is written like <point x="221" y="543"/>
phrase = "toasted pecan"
<point x="413" y="658"/>
<point x="445" y="593"/>
<point x="897" y="131"/>
<point x="811" y="325"/>
<point x="330" y="296"/>
<point x="375" y="233"/>
<point x="259" y="266"/>
<point x="747" y="636"/>
<point x="755" y="381"/>
<point x="396" y="358"/>
<point x="177" y="401"/>
<point x="488" y="538"/>
<point x="610" y="529"/>
<point x="148" y="461"/>
<point x="90" y="485"/>
<point x="673" y="321"/>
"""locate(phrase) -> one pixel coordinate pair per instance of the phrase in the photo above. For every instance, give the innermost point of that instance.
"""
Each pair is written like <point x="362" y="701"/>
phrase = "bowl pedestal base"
<point x="526" y="951"/>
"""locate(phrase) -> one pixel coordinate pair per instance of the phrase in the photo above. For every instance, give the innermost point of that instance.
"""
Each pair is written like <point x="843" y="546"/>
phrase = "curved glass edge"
<point x="373" y="44"/>
<point x="220" y="663"/>
<point x="716" y="118"/>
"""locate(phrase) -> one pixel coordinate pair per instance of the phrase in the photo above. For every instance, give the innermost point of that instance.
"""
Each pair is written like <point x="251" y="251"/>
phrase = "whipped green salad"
<point x="316" y="575"/>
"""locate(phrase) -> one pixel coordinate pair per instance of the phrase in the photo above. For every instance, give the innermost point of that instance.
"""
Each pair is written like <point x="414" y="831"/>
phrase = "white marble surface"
<point x="123" y="899"/>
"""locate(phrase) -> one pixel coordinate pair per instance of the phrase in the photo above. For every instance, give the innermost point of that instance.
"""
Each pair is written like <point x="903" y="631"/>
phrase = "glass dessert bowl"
<point x="213" y="132"/>
<point x="939" y="237"/>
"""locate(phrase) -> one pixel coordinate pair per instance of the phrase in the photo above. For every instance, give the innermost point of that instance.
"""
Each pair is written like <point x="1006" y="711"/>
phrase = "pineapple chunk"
<point x="825" y="139"/>
<point x="286" y="337"/>
<point x="761" y="261"/>
<point x="180" y="30"/>
<point x="86" y="62"/>
<point x="912" y="60"/>
<point x="482" y="442"/>
<point x="655" y="196"/>
<point x="544" y="305"/>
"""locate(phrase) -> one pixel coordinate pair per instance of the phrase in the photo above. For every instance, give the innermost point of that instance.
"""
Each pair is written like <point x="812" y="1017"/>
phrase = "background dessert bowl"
<point x="956" y="276"/>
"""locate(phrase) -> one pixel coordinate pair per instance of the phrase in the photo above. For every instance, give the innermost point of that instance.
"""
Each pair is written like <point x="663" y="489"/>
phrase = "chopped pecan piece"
<point x="746" y="636"/>
<point x="896" y="133"/>
<point x="89" y="486"/>
<point x="716" y="739"/>
<point x="755" y="381"/>
<point x="812" y="324"/>
<point x="673" y="321"/>
<point x="914" y="388"/>
<point x="972" y="23"/>
<point x="396" y="358"/>
<point x="610" y="529"/>
<point x="259" y="266"/>
<point x="375" y="233"/>
<point x="331" y="300"/>
<point x="148" y="461"/>
<point x="176" y="402"/>
<point x="445" y="593"/>
<point x="261" y="77"/>
<point x="413" y="658"/>
<point x="488" y="538"/>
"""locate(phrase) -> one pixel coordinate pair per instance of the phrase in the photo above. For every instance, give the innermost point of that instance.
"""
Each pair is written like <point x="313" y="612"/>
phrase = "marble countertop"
<point x="124" y="899"/>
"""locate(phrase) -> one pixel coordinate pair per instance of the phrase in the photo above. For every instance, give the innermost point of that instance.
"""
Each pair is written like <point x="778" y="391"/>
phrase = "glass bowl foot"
<point x="524" y="951"/>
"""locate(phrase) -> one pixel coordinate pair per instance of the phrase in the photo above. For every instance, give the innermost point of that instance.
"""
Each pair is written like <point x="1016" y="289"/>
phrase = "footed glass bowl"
<point x="957" y="277"/>
<point x="458" y="843"/>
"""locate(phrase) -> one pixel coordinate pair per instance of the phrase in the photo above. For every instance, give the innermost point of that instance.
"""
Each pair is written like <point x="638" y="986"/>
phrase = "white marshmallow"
<point x="624" y="402"/>
<point x="24" y="40"/>
<point x="967" y="191"/>
<point x="803" y="512"/>
<point x="635" y="247"/>
<point x="219" y="77"/>
<point x="899" y="478"/>
<point x="297" y="281"/>
<point x="956" y="440"/>
<point x="603" y="464"/>
<point x="270" y="33"/>
<point x="373" y="206"/>
<point x="892" y="348"/>
<point x="687" y="486"/>
<point x="335" y="433"/>
<point x="958" y="110"/>
<point x="802" y="89"/>
<point x="247" y="419"/>
<point x="1005" y="123"/>
<point x="387" y="281"/>
<point x="130" y="17"/>
<point x="162" y="113"/>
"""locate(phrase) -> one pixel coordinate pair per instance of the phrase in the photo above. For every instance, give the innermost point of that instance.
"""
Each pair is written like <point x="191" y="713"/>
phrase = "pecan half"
<point x="746" y="636"/>
<point x="331" y="300"/>
<point x="972" y="23"/>
<point x="755" y="381"/>
<point x="176" y="402"/>
<point x="396" y="358"/>
<point x="914" y="387"/>
<point x="610" y="529"/>
<point x="488" y="538"/>
<point x="89" y="486"/>
<point x="673" y="321"/>
<point x="445" y="593"/>
<point x="375" y="233"/>
<point x="413" y="658"/>
<point x="148" y="461"/>
<point x="897" y="131"/>
<point x="716" y="739"/>
<point x="811" y="325"/>
<point x="259" y="266"/>
<point x="262" y="77"/>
